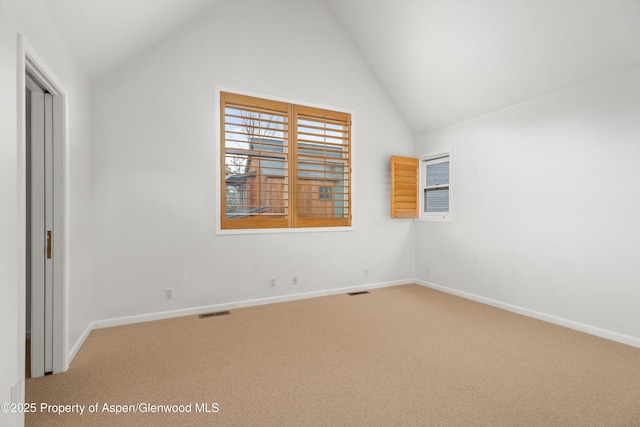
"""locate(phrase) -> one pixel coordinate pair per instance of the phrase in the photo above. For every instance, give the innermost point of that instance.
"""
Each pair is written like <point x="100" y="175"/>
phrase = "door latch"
<point x="48" y="244"/>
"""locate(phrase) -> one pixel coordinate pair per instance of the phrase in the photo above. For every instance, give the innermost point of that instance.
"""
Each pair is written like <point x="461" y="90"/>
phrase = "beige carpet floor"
<point x="398" y="356"/>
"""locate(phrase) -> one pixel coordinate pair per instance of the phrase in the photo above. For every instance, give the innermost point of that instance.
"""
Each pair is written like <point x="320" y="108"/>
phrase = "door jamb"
<point x="28" y="63"/>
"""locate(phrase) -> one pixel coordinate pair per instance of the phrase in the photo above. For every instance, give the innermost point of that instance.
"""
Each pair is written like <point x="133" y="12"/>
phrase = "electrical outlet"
<point x="366" y="271"/>
<point x="427" y="270"/>
<point x="168" y="293"/>
<point x="294" y="280"/>
<point x="272" y="282"/>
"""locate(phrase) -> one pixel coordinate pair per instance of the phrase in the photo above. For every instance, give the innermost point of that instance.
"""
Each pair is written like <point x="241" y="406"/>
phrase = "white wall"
<point x="154" y="166"/>
<point x="546" y="201"/>
<point x="43" y="41"/>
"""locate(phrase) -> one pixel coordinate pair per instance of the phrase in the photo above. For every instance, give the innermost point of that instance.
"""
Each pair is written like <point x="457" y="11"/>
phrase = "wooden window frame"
<point x="311" y="155"/>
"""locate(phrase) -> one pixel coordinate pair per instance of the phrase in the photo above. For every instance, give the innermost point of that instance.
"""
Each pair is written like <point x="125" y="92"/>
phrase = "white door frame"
<point x="58" y="362"/>
<point x="38" y="265"/>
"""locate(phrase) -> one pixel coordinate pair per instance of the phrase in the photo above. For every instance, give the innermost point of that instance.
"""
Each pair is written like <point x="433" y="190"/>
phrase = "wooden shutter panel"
<point x="283" y="165"/>
<point x="255" y="162"/>
<point x="404" y="187"/>
<point x="323" y="168"/>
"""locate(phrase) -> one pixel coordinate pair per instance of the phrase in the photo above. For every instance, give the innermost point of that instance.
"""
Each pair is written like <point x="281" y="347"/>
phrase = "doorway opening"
<point x="44" y="255"/>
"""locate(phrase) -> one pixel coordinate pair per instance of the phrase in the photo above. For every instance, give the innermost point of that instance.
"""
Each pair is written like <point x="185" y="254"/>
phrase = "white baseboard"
<point x="76" y="347"/>
<point x="582" y="327"/>
<point x="126" y="320"/>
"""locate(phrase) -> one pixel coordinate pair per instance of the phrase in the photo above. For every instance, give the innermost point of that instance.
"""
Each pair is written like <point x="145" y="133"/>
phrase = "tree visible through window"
<point x="284" y="165"/>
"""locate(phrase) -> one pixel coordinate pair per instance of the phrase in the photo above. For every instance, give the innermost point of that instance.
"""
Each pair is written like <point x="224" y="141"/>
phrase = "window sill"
<point x="221" y="232"/>
<point x="435" y="218"/>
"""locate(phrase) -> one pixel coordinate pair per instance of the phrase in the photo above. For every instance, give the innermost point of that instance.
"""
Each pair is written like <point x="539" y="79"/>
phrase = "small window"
<point x="436" y="188"/>
<point x="324" y="193"/>
<point x="421" y="188"/>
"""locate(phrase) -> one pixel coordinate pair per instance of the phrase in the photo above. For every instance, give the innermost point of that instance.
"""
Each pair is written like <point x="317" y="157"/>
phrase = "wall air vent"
<point x="217" y="313"/>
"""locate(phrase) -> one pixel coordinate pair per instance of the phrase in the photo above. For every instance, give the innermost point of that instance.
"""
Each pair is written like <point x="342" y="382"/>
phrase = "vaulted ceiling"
<point x="103" y="34"/>
<point x="439" y="61"/>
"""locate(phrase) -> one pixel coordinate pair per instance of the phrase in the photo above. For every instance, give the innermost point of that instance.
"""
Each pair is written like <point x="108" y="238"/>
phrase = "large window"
<point x="283" y="165"/>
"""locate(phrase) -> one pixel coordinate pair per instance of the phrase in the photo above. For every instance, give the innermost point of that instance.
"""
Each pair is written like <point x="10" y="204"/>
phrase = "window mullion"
<point x="292" y="188"/>
<point x="435" y="187"/>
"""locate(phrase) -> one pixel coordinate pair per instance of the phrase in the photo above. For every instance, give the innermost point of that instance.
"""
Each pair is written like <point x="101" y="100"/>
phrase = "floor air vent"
<point x="357" y="293"/>
<point x="217" y="313"/>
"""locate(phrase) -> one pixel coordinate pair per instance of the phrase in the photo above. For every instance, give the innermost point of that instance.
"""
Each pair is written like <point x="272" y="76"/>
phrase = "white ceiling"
<point x="443" y="61"/>
<point x="439" y="61"/>
<point x="104" y="34"/>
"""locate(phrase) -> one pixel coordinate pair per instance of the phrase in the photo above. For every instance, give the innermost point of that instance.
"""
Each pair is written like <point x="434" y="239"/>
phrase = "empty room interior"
<point x="320" y="212"/>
